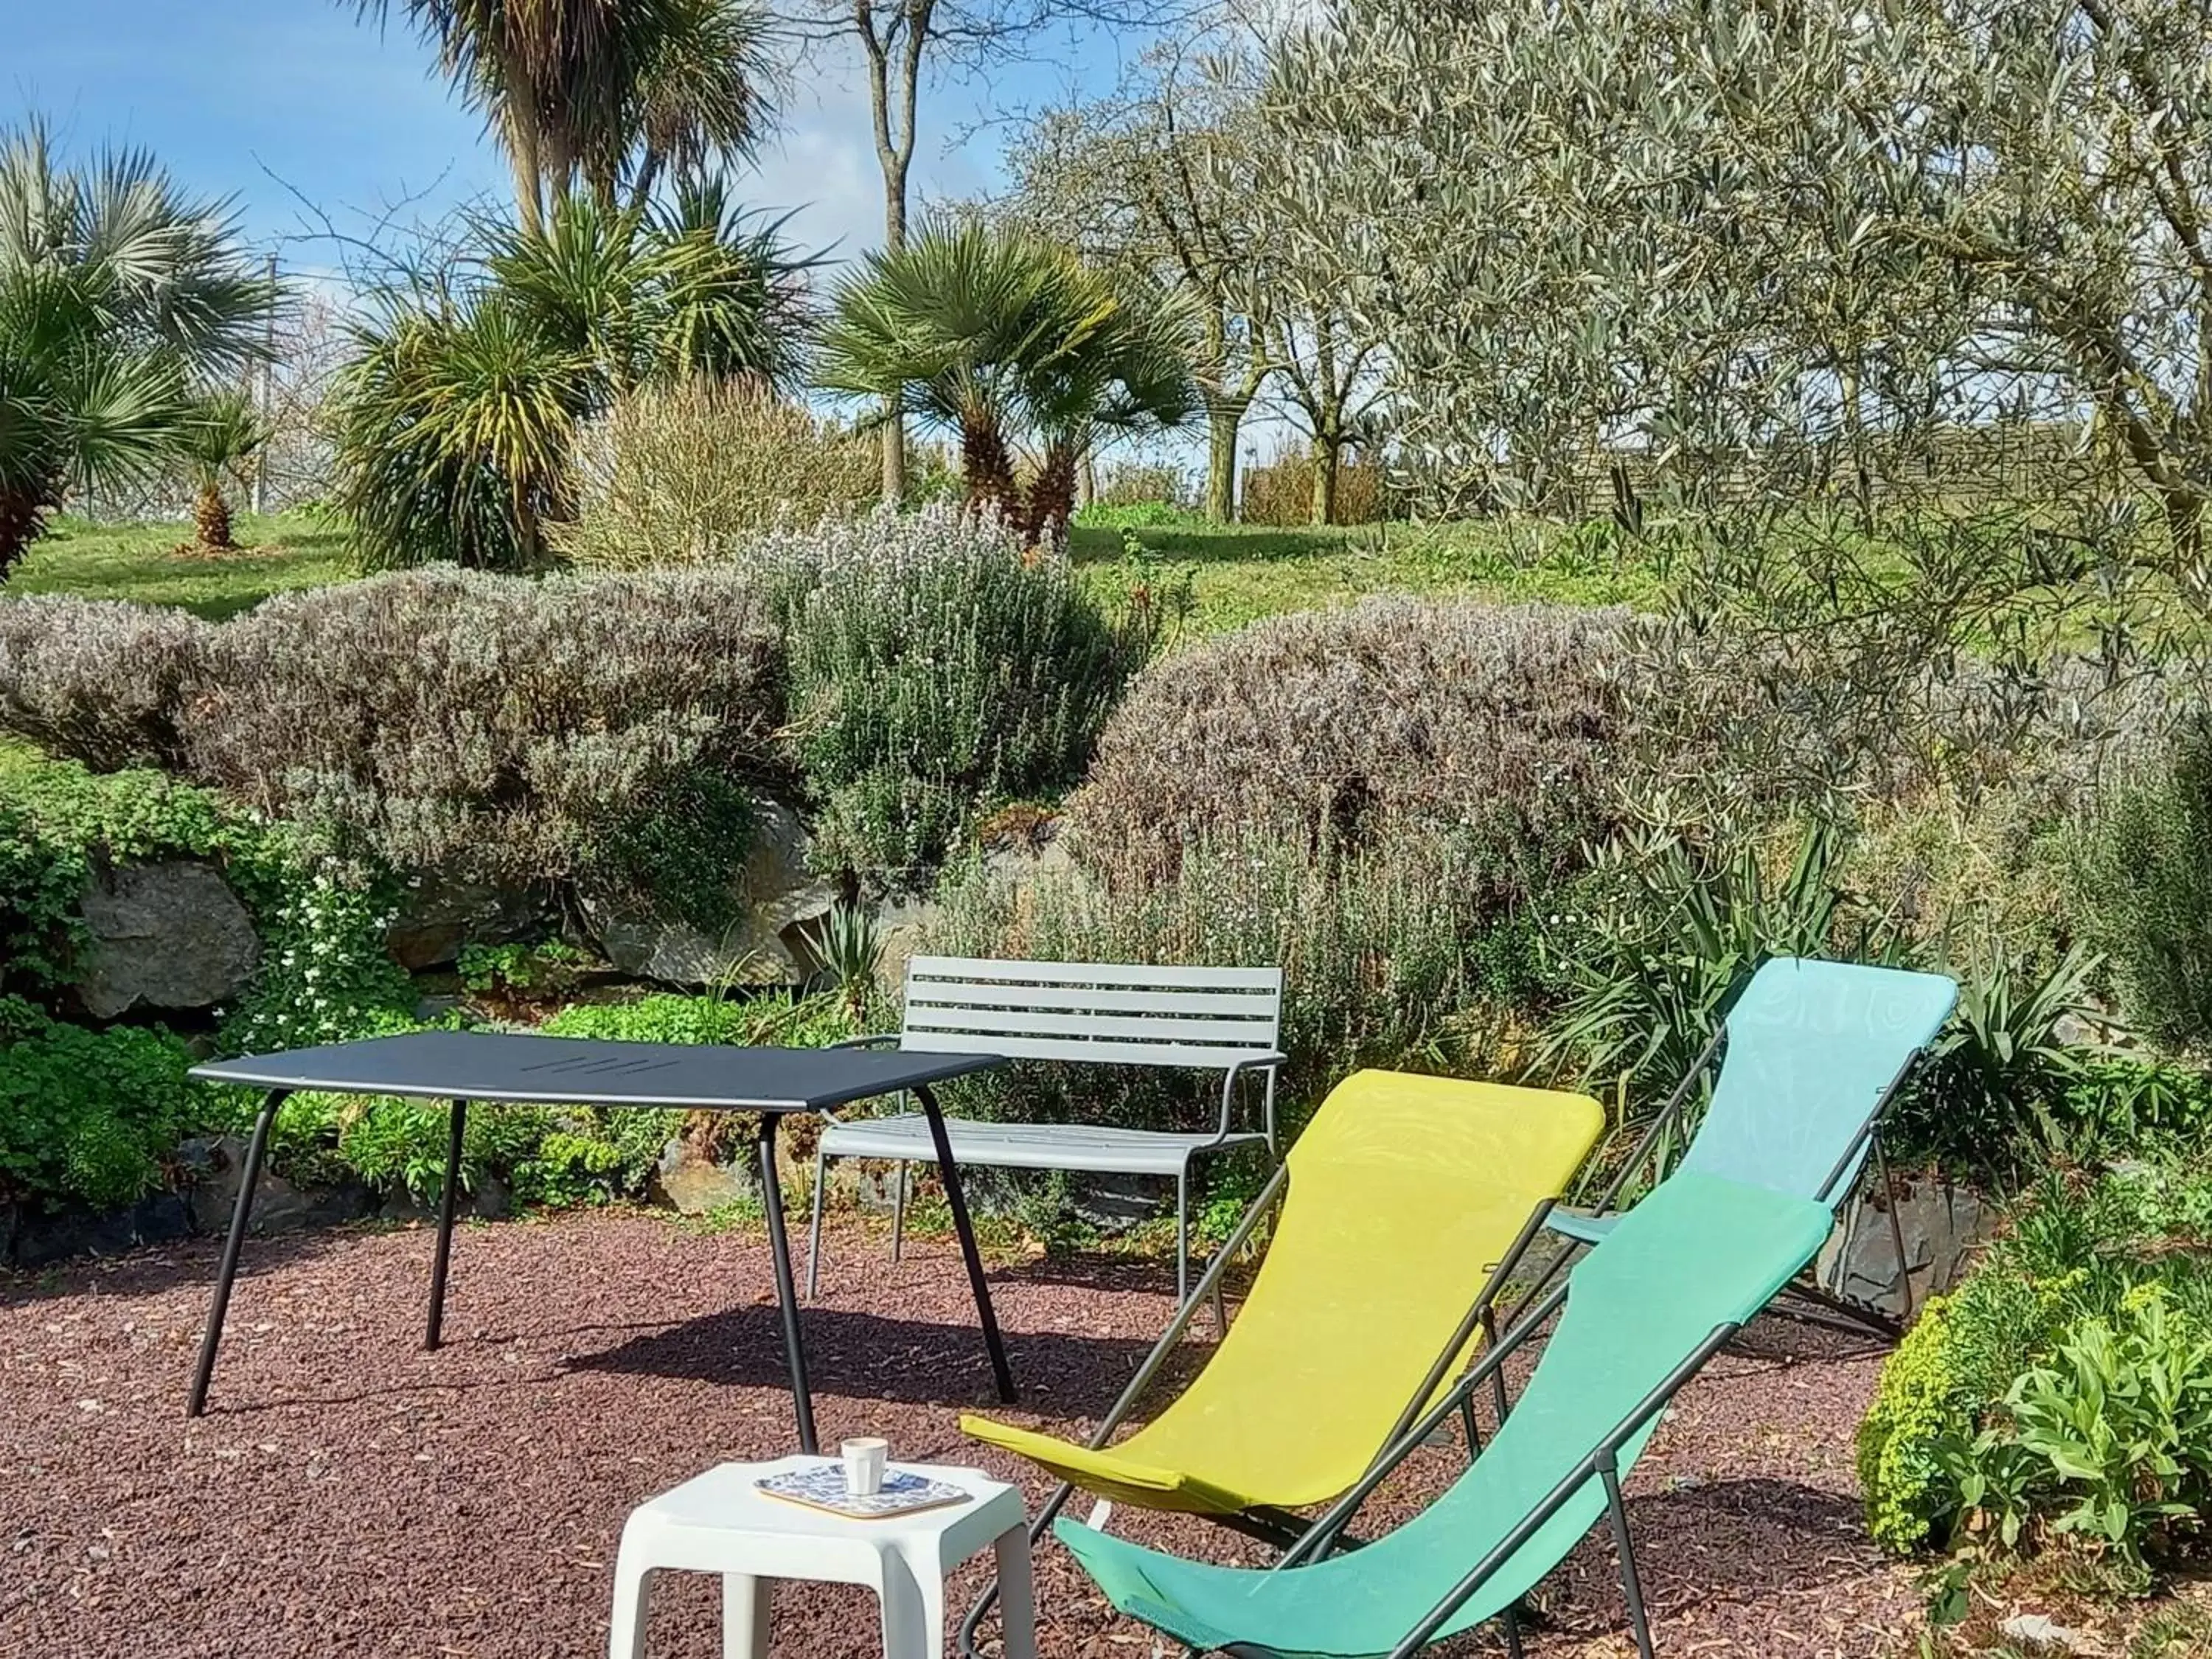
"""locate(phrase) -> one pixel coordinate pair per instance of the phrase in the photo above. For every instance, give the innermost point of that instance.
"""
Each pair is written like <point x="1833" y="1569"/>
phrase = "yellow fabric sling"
<point x="1404" y="1192"/>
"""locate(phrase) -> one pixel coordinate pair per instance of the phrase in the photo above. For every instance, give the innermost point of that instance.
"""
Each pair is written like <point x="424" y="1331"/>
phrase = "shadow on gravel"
<point x="872" y="1357"/>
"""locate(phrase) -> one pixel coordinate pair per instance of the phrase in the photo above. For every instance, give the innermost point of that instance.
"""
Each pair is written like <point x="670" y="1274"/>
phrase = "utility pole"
<point x="264" y="395"/>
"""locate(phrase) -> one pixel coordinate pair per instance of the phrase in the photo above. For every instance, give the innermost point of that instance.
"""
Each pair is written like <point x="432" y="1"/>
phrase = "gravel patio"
<point x="348" y="1494"/>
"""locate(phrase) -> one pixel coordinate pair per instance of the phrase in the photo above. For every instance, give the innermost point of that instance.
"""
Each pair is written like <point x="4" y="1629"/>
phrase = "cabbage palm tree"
<point x="604" y="93"/>
<point x="457" y="419"/>
<point x="116" y="291"/>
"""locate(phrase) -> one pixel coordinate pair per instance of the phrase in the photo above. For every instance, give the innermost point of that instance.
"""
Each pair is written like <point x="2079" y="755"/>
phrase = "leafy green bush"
<point x="936" y="672"/>
<point x="2065" y="1387"/>
<point x="2146" y="888"/>
<point x="1136" y="515"/>
<point x="89" y="1115"/>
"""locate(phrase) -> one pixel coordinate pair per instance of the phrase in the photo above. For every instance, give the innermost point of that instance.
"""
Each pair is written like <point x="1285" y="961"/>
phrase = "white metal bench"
<point x="1224" y="1020"/>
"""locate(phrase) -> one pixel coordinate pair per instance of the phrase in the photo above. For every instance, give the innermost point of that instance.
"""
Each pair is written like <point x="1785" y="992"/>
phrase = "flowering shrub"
<point x="935" y="671"/>
<point x="98" y="680"/>
<point x="1341" y="730"/>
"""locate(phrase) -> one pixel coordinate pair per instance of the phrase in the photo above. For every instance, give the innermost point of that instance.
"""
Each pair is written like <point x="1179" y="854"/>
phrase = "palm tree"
<point x="955" y="329"/>
<point x="222" y="434"/>
<point x="116" y="289"/>
<point x="604" y="93"/>
<point x="1131" y="374"/>
<point x="652" y="296"/>
<point x="454" y="424"/>
<point x="457" y="420"/>
<point x="993" y="334"/>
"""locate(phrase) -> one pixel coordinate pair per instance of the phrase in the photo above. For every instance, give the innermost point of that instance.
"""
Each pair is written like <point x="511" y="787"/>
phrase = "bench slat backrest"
<point x="1116" y="1014"/>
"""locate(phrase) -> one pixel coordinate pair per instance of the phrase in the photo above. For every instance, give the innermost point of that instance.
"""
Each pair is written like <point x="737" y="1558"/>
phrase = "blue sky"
<point x="229" y="94"/>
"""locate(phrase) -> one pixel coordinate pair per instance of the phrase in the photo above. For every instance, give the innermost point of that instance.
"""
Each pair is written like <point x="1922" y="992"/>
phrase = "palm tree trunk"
<point x="988" y="469"/>
<point x="1223" y="418"/>
<point x="1052" y="495"/>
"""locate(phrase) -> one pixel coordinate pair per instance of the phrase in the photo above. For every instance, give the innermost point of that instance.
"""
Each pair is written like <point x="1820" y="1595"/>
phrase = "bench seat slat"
<point x="1022" y="1146"/>
<point x="1103" y="1052"/>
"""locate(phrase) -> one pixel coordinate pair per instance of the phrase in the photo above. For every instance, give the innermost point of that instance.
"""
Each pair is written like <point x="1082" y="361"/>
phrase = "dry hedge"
<point x="450" y="719"/>
<point x="1340" y="729"/>
<point x="99" y="680"/>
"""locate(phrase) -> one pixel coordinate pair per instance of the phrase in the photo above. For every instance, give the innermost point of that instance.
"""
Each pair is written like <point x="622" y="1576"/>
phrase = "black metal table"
<point x="463" y="1067"/>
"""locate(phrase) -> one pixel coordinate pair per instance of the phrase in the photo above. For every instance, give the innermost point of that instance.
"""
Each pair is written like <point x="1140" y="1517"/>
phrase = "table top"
<point x="725" y="1499"/>
<point x="500" y="1066"/>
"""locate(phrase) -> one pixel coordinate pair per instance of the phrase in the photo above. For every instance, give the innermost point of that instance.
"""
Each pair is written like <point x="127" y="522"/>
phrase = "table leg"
<point x="787" y="1293"/>
<point x="957" y="1203"/>
<point x="255" y="1150"/>
<point x="447" y="1197"/>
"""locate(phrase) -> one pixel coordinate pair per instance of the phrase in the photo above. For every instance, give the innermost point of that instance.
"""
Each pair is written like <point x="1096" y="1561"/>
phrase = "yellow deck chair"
<point x="1404" y="1196"/>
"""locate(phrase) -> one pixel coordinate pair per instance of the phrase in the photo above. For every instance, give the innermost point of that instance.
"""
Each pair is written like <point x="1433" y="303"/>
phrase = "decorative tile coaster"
<point x="822" y="1488"/>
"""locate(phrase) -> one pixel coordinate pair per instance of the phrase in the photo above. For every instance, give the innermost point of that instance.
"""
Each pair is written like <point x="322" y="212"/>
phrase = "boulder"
<point x="212" y="1165"/>
<point x="772" y="897"/>
<point x="1941" y="1223"/>
<point x="33" y="1237"/>
<point x="689" y="1181"/>
<point x="440" y="914"/>
<point x="167" y="934"/>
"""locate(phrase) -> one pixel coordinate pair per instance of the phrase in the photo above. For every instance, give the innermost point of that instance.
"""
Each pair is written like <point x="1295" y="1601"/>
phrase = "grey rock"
<point x="167" y="934"/>
<point x="213" y="1168"/>
<point x="2042" y="1633"/>
<point x="440" y="915"/>
<point x="695" y="1184"/>
<point x="773" y="895"/>
<point x="1941" y="1223"/>
<point x="40" y="1238"/>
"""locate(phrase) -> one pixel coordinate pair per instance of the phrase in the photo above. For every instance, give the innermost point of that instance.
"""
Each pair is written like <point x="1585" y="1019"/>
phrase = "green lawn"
<point x="1236" y="572"/>
<point x="140" y="562"/>
<point x="1239" y="573"/>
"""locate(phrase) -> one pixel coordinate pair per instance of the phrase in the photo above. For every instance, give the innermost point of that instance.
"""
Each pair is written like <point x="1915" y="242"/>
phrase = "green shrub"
<point x="2065" y="1386"/>
<point x="1137" y="515"/>
<point x="89" y="1115"/>
<point x="936" y="672"/>
<point x="2146" y="890"/>
<point x="685" y="474"/>
<point x="1340" y="731"/>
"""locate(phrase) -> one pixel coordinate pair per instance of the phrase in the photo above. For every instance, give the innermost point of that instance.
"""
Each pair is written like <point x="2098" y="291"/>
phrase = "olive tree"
<point x="1798" y="234"/>
<point x="1158" y="179"/>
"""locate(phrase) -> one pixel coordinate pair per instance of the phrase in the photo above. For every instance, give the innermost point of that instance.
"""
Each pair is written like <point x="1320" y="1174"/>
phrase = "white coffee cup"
<point x="865" y="1460"/>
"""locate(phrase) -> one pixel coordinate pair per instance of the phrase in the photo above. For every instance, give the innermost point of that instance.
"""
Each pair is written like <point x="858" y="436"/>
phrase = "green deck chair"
<point x="1811" y="1054"/>
<point x="1644" y="1310"/>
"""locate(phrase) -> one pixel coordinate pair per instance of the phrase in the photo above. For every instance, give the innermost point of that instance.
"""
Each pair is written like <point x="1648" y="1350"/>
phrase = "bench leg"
<point x="744" y="1615"/>
<point x="898" y="1210"/>
<point x="814" y="1227"/>
<point x="1182" y="1236"/>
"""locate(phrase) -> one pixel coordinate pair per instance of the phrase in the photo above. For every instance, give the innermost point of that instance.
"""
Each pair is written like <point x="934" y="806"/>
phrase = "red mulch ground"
<point x="347" y="1493"/>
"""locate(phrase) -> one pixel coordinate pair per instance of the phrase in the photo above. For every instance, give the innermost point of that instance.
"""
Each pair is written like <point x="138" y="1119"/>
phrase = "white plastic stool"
<point x="719" y="1524"/>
